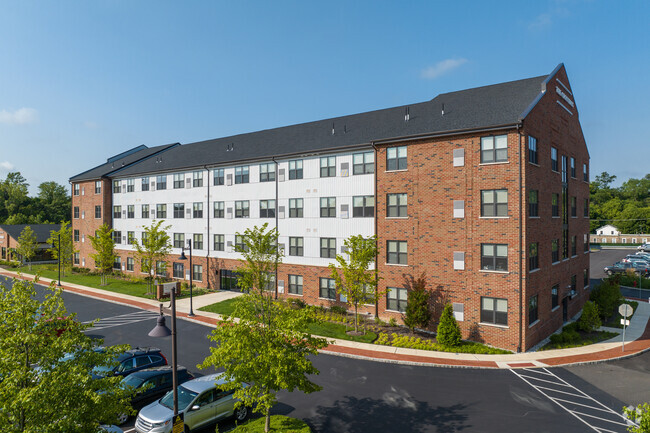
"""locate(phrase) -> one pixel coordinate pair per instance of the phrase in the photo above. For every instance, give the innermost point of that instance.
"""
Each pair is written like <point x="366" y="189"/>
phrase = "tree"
<point x="40" y="391"/>
<point x="607" y="296"/>
<point x="104" y="246"/>
<point x="640" y="415"/>
<point x="66" y="247"/>
<point x="354" y="278"/>
<point x="154" y="247"/>
<point x="261" y="257"/>
<point x="417" y="312"/>
<point x="448" y="330"/>
<point x="53" y="202"/>
<point x="13" y="196"/>
<point x="27" y="245"/>
<point x="589" y="320"/>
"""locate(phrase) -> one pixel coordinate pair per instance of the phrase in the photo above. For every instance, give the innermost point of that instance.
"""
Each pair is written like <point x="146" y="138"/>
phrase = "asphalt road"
<point x="361" y="396"/>
<point x="606" y="257"/>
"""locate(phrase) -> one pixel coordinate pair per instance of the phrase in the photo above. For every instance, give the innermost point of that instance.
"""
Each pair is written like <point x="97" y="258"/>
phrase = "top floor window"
<point x="295" y="169"/>
<point x="98" y="187"/>
<point x="494" y="149"/>
<point x="573" y="167"/>
<point x="130" y="185"/>
<point x="328" y="166"/>
<point x="267" y="172"/>
<point x="585" y="175"/>
<point x="241" y="174"/>
<point x="532" y="150"/>
<point x="145" y="183"/>
<point x="76" y="189"/>
<point x="363" y="163"/>
<point x="396" y="158"/>
<point x="554" y="166"/>
<point x="218" y="176"/>
<point x="161" y="181"/>
<point x="117" y="187"/>
<point x="179" y="180"/>
<point x="197" y="179"/>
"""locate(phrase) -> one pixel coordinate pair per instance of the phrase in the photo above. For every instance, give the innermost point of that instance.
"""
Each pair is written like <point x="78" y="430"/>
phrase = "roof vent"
<point x="332" y="128"/>
<point x="407" y="115"/>
<point x="230" y="147"/>
<point x="443" y="108"/>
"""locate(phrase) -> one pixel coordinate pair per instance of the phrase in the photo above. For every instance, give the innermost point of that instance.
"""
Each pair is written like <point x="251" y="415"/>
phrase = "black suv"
<point x="134" y="360"/>
<point x="152" y="383"/>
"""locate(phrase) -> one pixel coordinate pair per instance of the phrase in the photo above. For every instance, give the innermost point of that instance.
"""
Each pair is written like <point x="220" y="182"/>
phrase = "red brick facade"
<point x="84" y="205"/>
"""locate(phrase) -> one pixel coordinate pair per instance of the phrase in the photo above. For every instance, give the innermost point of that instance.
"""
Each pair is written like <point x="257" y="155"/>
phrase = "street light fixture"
<point x="59" y="257"/>
<point x="163" y="331"/>
<point x="182" y="257"/>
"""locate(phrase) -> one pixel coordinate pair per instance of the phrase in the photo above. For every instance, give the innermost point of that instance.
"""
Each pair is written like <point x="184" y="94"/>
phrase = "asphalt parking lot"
<point x="605" y="257"/>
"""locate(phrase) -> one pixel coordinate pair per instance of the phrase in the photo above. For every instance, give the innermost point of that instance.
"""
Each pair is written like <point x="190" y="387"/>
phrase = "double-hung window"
<point x="98" y="211"/>
<point x="397" y="252"/>
<point x="130" y="237"/>
<point x="574" y="247"/>
<point x="363" y="206"/>
<point x="328" y="248"/>
<point x="117" y="187"/>
<point x="396" y="158"/>
<point x="130" y="185"/>
<point x="130" y="264"/>
<point x="144" y="211"/>
<point x="494" y="203"/>
<point x="144" y="184"/>
<point x="76" y="189"/>
<point x="532" y="149"/>
<point x="117" y="212"/>
<point x="218" y="211"/>
<point x="179" y="180"/>
<point x="218" y="176"/>
<point x="295" y="284"/>
<point x="198" y="241"/>
<point x="295" y="208"/>
<point x="219" y="242"/>
<point x="267" y="172"/>
<point x="585" y="175"/>
<point x="241" y="174"/>
<point x="494" y="257"/>
<point x="363" y="163"/>
<point x="532" y="310"/>
<point x="533" y="203"/>
<point x="240" y="244"/>
<point x="197" y="272"/>
<point x="242" y="209"/>
<point x="296" y="246"/>
<point x="117" y="236"/>
<point x="117" y="263"/>
<point x="328" y="166"/>
<point x="573" y="167"/>
<point x="130" y="211"/>
<point x="494" y="310"/>
<point x="179" y="210"/>
<point x="161" y="181"/>
<point x="327" y="288"/>
<point x="197" y="210"/>
<point x="161" y="211"/>
<point x="178" y="270"/>
<point x="76" y="235"/>
<point x="98" y="187"/>
<point x="197" y="178"/>
<point x="555" y="291"/>
<point x="585" y="209"/>
<point x="555" y="205"/>
<point x="328" y="207"/>
<point x="555" y="250"/>
<point x="295" y="169"/>
<point x="396" y="205"/>
<point x="267" y="208"/>
<point x="574" y="207"/>
<point x="554" y="165"/>
<point x="494" y="149"/>
<point x="396" y="298"/>
<point x="75" y="212"/>
<point x="179" y="240"/>
<point x="533" y="256"/>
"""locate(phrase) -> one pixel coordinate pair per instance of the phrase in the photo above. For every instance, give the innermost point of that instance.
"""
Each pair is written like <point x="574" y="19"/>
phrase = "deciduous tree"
<point x="27" y="245"/>
<point x="417" y="312"/>
<point x="104" y="247"/>
<point x="64" y="234"/>
<point x="154" y="247"/>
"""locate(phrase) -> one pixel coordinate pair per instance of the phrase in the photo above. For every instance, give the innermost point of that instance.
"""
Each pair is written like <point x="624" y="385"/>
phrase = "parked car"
<point x="636" y="258"/>
<point x="133" y="360"/>
<point x="644" y="248"/>
<point x="200" y="400"/>
<point x="621" y="267"/>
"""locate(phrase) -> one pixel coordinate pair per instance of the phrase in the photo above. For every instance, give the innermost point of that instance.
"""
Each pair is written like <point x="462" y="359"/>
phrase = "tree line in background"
<point x="50" y="206"/>
<point x="626" y="207"/>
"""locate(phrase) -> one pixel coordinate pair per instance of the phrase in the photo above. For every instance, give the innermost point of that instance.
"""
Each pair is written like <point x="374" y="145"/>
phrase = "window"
<point x="198" y="273"/>
<point x="130" y="264"/>
<point x="555" y="206"/>
<point x="75" y="258"/>
<point x="130" y="238"/>
<point x="161" y="181"/>
<point x="532" y="149"/>
<point x="585" y="242"/>
<point x="585" y="174"/>
<point x="397" y="252"/>
<point x="197" y="210"/>
<point x="396" y="205"/>
<point x="585" y="209"/>
<point x="98" y="211"/>
<point x="295" y="284"/>
<point x="267" y="172"/>
<point x="574" y="284"/>
<point x="198" y="241"/>
<point x="574" y="208"/>
<point x="144" y="185"/>
<point x="240" y="245"/>
<point x="585" y="278"/>
<point x="494" y="203"/>
<point x="75" y="212"/>
<point x="98" y="187"/>
<point x="130" y="185"/>
<point x="117" y="263"/>
<point x="574" y="248"/>
<point x="328" y="248"/>
<point x="554" y="296"/>
<point x="178" y="270"/>
<point x="573" y="167"/>
<point x="145" y="237"/>
<point x="564" y="167"/>
<point x="295" y="169"/>
<point x="396" y="299"/>
<point x="229" y="280"/>
<point x="494" y="149"/>
<point x="533" y="203"/>
<point x="533" y="258"/>
<point x="179" y="180"/>
<point x="241" y="174"/>
<point x="327" y="288"/>
<point x="179" y="240"/>
<point x="218" y="176"/>
<point x="532" y="310"/>
<point x="76" y="189"/>
<point x="161" y="269"/>
<point x="554" y="159"/>
<point x="179" y="210"/>
<point x="295" y="208"/>
<point x="117" y="236"/>
<point x="117" y="187"/>
<point x="242" y="209"/>
<point x="328" y="166"/>
<point x="328" y="207"/>
<point x="130" y="211"/>
<point x="494" y="310"/>
<point x="219" y="244"/>
<point x="117" y="212"/>
<point x="76" y="235"/>
<point x="145" y="211"/>
<point x="218" y="211"/>
<point x="396" y="158"/>
<point x="267" y="208"/>
<point x="295" y="246"/>
<point x="494" y="257"/>
<point x="555" y="250"/>
<point x="363" y="163"/>
<point x="363" y="206"/>
<point x="197" y="178"/>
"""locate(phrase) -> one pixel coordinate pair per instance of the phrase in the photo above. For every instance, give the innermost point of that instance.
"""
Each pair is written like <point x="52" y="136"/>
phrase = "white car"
<point x="201" y="402"/>
<point x="644" y="248"/>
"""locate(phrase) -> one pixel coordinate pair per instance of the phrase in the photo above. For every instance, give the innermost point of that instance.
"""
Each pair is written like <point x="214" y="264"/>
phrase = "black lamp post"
<point x="163" y="331"/>
<point x="59" y="257"/>
<point x="182" y="257"/>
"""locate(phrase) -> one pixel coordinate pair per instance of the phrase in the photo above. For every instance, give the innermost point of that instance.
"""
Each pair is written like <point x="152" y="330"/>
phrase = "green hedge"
<point x="397" y="340"/>
<point x="279" y="424"/>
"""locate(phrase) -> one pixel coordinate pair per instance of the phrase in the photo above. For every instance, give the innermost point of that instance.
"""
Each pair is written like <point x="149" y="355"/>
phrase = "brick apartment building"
<point x="10" y="233"/>
<point x="486" y="190"/>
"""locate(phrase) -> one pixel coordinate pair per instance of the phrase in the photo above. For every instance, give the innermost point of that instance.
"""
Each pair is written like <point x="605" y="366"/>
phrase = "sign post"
<point x="625" y="310"/>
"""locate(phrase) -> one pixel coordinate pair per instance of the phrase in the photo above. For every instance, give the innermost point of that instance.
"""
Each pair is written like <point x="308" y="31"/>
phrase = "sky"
<point x="81" y="81"/>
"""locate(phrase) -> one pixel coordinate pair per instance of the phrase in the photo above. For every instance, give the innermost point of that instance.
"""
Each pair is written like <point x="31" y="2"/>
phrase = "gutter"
<point x="372" y="143"/>
<point x="207" y="212"/>
<point x="521" y="241"/>
<point x="277" y="232"/>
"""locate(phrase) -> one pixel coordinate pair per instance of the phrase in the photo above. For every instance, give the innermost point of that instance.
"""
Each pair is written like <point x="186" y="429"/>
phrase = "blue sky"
<point x="81" y="81"/>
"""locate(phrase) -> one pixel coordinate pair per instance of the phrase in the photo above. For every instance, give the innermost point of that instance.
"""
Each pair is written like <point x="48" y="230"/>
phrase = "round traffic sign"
<point x="625" y="310"/>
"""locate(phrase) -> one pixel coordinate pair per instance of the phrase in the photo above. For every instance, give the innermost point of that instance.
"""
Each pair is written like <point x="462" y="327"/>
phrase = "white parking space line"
<point x="129" y="430"/>
<point x="123" y="319"/>
<point x="602" y="420"/>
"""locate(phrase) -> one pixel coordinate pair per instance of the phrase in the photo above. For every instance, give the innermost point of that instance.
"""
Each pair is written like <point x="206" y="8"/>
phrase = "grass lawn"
<point x="224" y="307"/>
<point x="279" y="424"/>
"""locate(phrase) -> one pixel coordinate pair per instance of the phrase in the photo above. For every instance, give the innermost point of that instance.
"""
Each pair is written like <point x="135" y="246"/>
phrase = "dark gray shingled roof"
<point x="482" y="107"/>
<point x="42" y="231"/>
<point x="123" y="159"/>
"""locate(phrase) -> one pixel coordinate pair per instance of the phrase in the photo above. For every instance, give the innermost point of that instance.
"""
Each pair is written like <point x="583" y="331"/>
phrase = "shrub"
<point x="448" y="329"/>
<point x="417" y="312"/>
<point x="607" y="296"/>
<point x="590" y="320"/>
<point x="337" y="309"/>
<point x="9" y="264"/>
<point x="297" y="303"/>
<point x="392" y="322"/>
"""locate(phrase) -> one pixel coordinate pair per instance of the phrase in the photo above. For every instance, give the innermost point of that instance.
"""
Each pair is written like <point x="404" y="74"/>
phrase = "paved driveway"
<point x="606" y="257"/>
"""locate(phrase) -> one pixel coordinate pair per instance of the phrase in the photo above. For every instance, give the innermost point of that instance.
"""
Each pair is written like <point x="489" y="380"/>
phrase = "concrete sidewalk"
<point x="637" y="336"/>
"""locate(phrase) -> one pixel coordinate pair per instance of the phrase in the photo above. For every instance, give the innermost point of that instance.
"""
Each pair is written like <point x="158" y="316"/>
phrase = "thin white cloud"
<point x="541" y="21"/>
<point x="91" y="124"/>
<point x="6" y="166"/>
<point x="20" y="116"/>
<point x="441" y="68"/>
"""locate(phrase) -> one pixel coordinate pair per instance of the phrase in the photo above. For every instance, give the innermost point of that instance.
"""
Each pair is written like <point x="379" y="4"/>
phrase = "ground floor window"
<point x="117" y="263"/>
<point x="396" y="299"/>
<point x="178" y="270"/>
<point x="494" y="310"/>
<point x="327" y="288"/>
<point x="76" y="257"/>
<point x="130" y="264"/>
<point x="161" y="269"/>
<point x="295" y="284"/>
<point x="197" y="273"/>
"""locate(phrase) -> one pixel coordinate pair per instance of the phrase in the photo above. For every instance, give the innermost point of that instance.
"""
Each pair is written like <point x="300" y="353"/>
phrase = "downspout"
<point x="377" y="249"/>
<point x="207" y="216"/>
<point x="277" y="242"/>
<point x="521" y="240"/>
